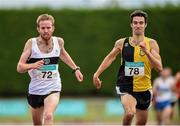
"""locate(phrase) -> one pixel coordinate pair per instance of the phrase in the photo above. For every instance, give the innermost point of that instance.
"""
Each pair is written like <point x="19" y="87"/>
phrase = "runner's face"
<point x="45" y="29"/>
<point x="138" y="25"/>
<point x="166" y="73"/>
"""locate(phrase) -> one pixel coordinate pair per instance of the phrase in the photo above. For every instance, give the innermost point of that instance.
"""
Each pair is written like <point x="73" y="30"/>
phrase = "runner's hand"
<point x="37" y="64"/>
<point x="97" y="82"/>
<point x="79" y="75"/>
<point x="143" y="46"/>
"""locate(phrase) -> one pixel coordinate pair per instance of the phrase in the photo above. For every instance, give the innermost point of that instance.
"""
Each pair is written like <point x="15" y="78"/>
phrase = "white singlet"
<point x="163" y="87"/>
<point x="47" y="78"/>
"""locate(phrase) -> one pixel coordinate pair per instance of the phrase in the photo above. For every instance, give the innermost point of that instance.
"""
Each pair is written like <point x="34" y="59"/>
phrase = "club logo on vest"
<point x="126" y="45"/>
<point x="46" y="61"/>
<point x="56" y="52"/>
<point x="141" y="53"/>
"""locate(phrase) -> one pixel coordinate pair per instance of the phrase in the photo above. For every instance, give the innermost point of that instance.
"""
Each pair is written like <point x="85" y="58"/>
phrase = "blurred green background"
<point x="89" y="35"/>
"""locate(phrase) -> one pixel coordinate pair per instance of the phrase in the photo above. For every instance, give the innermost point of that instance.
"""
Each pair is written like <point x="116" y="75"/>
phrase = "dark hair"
<point x="139" y="13"/>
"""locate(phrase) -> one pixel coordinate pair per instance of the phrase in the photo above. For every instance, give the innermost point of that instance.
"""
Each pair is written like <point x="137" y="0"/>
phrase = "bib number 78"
<point x="133" y="71"/>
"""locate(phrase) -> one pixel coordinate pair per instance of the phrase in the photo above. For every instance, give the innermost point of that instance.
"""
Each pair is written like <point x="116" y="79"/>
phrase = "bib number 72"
<point x="47" y="74"/>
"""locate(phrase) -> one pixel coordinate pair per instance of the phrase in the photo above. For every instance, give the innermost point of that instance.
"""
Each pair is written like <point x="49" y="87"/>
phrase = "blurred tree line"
<point x="89" y="35"/>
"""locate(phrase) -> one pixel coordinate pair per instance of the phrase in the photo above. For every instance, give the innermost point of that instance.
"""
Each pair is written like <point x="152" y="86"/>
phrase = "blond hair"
<point x="44" y="17"/>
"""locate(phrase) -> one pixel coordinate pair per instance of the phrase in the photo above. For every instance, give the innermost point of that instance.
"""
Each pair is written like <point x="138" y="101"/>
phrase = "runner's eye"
<point x="141" y="22"/>
<point x="136" y="22"/>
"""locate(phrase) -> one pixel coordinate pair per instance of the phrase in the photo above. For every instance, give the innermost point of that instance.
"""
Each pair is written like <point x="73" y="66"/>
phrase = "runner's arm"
<point x="110" y="57"/>
<point x="22" y="66"/>
<point x="65" y="57"/>
<point x="154" y="56"/>
<point x="107" y="62"/>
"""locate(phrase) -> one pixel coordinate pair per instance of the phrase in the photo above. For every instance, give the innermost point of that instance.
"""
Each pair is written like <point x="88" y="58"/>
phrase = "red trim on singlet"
<point x="178" y="87"/>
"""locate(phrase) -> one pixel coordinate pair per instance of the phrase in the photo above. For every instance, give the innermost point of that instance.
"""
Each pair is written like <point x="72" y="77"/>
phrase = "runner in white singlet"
<point x="40" y="59"/>
<point x="163" y="93"/>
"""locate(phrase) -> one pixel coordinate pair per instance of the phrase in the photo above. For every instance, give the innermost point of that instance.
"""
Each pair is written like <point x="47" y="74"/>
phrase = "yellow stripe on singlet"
<point x="142" y="83"/>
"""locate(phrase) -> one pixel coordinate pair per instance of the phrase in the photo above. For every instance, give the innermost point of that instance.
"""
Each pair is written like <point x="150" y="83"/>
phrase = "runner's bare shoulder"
<point x="119" y="43"/>
<point x="61" y="42"/>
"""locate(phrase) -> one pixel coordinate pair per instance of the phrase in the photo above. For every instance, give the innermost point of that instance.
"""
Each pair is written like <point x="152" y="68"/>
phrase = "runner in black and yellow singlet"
<point x="135" y="70"/>
<point x="139" y="55"/>
<point x="134" y="75"/>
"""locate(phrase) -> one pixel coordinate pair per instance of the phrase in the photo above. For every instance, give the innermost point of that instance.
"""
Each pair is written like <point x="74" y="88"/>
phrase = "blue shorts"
<point x="162" y="105"/>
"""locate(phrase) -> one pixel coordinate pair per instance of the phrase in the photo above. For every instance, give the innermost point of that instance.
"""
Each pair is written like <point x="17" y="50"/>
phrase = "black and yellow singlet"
<point x="135" y="70"/>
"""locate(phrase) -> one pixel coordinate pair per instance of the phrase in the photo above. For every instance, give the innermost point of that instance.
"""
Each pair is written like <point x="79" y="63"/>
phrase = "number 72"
<point x="47" y="74"/>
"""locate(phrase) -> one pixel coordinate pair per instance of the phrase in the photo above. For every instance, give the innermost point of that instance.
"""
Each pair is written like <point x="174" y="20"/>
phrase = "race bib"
<point x="47" y="72"/>
<point x="134" y="68"/>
